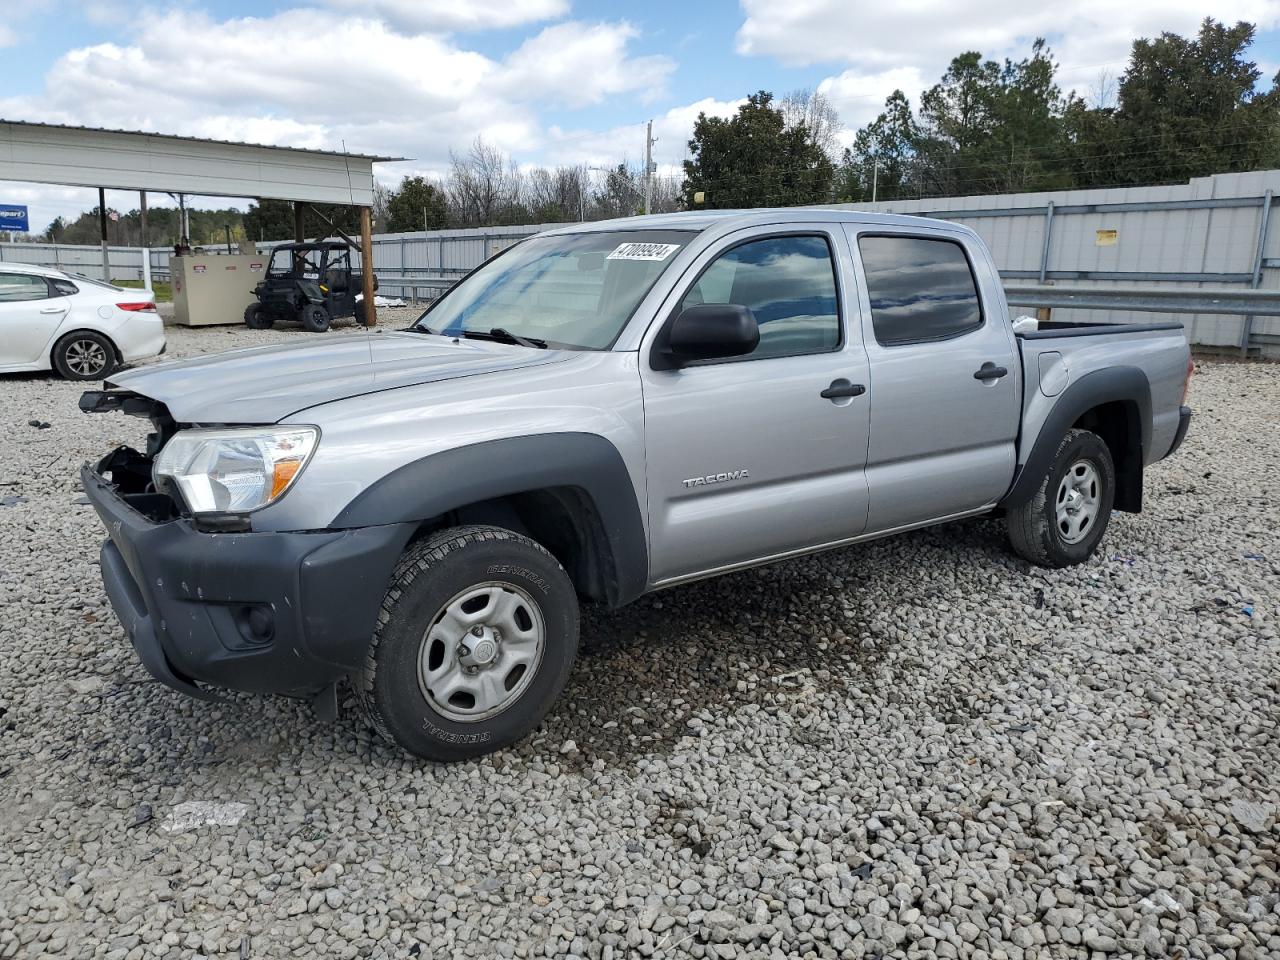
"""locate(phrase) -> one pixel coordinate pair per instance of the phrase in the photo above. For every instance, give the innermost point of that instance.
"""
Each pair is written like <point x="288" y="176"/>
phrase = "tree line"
<point x="1183" y="107"/>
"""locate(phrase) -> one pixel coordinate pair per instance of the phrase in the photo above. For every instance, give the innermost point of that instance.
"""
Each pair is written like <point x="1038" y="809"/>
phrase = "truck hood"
<point x="267" y="384"/>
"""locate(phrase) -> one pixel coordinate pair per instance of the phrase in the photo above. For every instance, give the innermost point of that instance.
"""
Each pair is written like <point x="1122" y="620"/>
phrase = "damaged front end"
<point x="211" y="605"/>
<point x="129" y="470"/>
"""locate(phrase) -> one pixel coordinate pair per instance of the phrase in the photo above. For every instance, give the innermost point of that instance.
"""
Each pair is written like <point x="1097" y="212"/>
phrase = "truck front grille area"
<point x="130" y="473"/>
<point x="129" y="470"/>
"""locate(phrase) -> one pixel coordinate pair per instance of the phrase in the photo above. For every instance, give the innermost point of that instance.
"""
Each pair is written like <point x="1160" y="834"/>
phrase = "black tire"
<point x="431" y="575"/>
<point x="255" y="318"/>
<point x="1035" y="531"/>
<point x="84" y="355"/>
<point x="315" y="318"/>
<point x="359" y="314"/>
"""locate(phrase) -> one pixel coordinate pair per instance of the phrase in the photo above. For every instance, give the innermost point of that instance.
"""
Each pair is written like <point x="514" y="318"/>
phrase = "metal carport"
<point x="134" y="160"/>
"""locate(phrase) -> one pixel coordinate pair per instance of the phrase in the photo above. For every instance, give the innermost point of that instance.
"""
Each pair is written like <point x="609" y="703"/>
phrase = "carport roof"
<point x="136" y="160"/>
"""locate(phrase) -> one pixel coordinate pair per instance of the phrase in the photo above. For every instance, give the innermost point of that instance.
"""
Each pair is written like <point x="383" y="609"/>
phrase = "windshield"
<point x="572" y="290"/>
<point x="295" y="264"/>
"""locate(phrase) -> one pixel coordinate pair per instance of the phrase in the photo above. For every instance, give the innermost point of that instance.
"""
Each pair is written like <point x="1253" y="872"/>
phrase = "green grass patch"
<point x="161" y="288"/>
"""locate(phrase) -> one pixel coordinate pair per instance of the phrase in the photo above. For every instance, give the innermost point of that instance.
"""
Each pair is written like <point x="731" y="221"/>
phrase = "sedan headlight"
<point x="233" y="470"/>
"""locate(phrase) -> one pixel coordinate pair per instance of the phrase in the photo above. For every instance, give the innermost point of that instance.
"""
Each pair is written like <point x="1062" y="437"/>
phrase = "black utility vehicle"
<point x="310" y="283"/>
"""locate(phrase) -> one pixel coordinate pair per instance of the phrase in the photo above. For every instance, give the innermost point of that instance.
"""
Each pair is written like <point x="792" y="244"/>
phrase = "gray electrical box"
<point x="212" y="289"/>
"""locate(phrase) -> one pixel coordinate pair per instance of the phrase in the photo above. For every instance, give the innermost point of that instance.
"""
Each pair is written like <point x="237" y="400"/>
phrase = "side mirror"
<point x="710" y="331"/>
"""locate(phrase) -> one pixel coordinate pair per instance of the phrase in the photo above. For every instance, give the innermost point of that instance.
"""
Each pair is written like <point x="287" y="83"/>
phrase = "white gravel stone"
<point x="917" y="747"/>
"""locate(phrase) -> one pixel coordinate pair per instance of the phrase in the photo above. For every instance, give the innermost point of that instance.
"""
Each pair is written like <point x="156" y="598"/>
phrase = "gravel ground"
<point x="919" y="747"/>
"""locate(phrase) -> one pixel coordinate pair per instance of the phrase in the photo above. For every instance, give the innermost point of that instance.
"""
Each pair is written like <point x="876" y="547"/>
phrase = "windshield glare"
<point x="296" y="264"/>
<point x="573" y="290"/>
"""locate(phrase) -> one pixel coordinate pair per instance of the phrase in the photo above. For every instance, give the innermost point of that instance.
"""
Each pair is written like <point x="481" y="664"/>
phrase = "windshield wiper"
<point x="421" y="328"/>
<point x="503" y="335"/>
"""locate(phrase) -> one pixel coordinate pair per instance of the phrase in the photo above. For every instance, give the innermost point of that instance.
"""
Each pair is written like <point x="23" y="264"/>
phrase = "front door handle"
<point x="989" y="371"/>
<point x="842" y="388"/>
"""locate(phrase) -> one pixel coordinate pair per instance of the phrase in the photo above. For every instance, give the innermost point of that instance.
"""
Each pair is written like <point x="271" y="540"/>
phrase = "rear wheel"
<point x="84" y="355"/>
<point x="315" y="318"/>
<point x="473" y="645"/>
<point x="255" y="318"/>
<point x="1065" y="520"/>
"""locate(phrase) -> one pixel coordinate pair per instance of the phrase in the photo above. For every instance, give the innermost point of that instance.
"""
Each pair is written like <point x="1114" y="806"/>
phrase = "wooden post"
<point x="366" y="266"/>
<point x="299" y="222"/>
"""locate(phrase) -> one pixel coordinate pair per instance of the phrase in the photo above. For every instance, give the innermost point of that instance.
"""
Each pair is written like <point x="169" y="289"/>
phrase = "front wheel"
<point x="315" y="318"/>
<point x="256" y="318"/>
<point x="473" y="645"/>
<point x="1064" y="521"/>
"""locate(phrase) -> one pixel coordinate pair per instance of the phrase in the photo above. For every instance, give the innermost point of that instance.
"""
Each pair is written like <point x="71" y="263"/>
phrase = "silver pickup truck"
<point x="596" y="413"/>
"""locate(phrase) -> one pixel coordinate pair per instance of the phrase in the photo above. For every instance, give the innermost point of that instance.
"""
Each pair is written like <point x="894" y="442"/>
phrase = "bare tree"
<point x="381" y="201"/>
<point x="811" y="107"/>
<point x="1103" y="93"/>
<point x="556" y="195"/>
<point x="483" y="185"/>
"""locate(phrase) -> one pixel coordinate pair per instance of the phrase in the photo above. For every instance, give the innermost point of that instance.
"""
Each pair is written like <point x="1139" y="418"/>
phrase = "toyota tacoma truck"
<point x="596" y="413"/>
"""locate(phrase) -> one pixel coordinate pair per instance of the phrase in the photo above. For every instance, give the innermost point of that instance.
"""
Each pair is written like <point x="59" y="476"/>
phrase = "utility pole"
<point x="146" y="243"/>
<point x="875" y="168"/>
<point x="648" y="165"/>
<point x="102" y="229"/>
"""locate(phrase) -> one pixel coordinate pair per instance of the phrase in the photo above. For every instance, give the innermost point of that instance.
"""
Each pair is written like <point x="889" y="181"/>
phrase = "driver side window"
<point x="15" y="287"/>
<point x="789" y="285"/>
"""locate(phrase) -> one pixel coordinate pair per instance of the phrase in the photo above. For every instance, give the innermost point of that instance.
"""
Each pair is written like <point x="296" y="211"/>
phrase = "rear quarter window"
<point x="920" y="289"/>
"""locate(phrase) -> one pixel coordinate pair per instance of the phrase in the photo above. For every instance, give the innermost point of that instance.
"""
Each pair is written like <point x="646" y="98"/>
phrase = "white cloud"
<point x="278" y="79"/>
<point x="580" y="64"/>
<point x="859" y="97"/>
<point x="423" y="16"/>
<point x="1088" y="37"/>
<point x="7" y="36"/>
<point x="671" y="130"/>
<point x="379" y="90"/>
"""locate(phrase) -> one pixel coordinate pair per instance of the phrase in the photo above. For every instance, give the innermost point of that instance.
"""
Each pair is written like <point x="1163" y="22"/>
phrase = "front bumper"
<point x="260" y="612"/>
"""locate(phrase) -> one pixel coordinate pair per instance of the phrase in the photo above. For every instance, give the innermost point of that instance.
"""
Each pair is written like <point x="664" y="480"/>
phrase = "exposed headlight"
<point x="233" y="470"/>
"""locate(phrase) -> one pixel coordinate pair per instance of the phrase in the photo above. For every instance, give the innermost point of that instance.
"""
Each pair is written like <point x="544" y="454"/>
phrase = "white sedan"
<point x="83" y="328"/>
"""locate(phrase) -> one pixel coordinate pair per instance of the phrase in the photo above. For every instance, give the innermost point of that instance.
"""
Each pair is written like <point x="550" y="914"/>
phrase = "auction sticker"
<point x="643" y="251"/>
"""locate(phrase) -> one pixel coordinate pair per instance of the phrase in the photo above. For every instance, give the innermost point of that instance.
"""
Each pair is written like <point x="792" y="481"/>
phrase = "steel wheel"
<point x="1078" y="501"/>
<point x="86" y="358"/>
<point x="481" y="651"/>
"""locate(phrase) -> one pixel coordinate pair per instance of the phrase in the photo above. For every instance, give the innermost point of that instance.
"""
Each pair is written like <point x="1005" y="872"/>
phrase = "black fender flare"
<point x="445" y="481"/>
<point x="1091" y="390"/>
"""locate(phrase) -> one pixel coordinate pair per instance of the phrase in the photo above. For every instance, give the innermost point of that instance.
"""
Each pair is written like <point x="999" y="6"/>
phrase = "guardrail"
<point x="414" y="283"/>
<point x="1237" y="302"/>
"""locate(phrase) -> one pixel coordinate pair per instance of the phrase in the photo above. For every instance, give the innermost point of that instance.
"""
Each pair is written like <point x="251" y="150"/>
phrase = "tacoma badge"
<point x="716" y="478"/>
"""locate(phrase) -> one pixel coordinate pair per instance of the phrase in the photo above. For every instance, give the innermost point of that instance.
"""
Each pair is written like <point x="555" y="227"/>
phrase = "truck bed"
<point x="1050" y="329"/>
<point x="1059" y="354"/>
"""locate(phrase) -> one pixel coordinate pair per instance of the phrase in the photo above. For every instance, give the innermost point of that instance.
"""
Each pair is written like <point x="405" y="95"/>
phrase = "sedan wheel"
<point x="84" y="356"/>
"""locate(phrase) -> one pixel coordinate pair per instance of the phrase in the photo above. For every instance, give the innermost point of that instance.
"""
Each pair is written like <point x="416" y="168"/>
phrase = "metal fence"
<point x="1173" y="240"/>
<point x="1211" y="232"/>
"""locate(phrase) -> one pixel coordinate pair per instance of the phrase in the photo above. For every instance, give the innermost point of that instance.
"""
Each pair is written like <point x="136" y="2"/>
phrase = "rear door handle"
<point x="54" y="310"/>
<point x="989" y="371"/>
<point x="842" y="388"/>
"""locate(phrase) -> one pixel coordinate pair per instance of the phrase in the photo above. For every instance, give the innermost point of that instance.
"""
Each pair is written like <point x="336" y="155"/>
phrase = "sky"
<point x="548" y="81"/>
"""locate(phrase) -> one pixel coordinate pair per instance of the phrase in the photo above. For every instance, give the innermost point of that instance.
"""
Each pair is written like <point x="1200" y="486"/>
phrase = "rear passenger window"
<point x="22" y="286"/>
<point x="790" y="286"/>
<point x="920" y="289"/>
